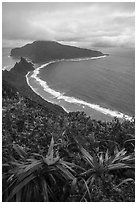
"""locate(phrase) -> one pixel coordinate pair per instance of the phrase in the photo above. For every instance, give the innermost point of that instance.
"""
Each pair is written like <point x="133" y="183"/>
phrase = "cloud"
<point x="90" y="24"/>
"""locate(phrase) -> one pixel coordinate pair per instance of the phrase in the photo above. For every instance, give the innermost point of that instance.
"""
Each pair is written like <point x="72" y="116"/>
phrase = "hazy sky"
<point x="80" y="24"/>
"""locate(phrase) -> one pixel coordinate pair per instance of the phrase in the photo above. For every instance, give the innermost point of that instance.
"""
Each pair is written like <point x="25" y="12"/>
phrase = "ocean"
<point x="7" y="61"/>
<point x="102" y="87"/>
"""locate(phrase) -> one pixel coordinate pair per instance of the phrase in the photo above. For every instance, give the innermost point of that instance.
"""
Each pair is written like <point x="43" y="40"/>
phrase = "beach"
<point x="42" y="88"/>
<point x="43" y="83"/>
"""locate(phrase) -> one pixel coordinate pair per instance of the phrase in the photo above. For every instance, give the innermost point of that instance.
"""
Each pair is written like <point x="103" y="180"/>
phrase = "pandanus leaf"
<point x="50" y="159"/>
<point x="125" y="181"/>
<point x="87" y="156"/>
<point x="20" y="186"/>
<point x="87" y="191"/>
<point x="19" y="151"/>
<point x="44" y="190"/>
<point x="73" y="185"/>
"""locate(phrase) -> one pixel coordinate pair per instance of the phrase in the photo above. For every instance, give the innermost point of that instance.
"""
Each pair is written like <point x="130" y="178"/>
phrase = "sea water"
<point x="103" y="88"/>
<point x="7" y="61"/>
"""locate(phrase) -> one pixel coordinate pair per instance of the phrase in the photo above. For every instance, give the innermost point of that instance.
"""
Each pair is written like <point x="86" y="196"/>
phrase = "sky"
<point x="81" y="24"/>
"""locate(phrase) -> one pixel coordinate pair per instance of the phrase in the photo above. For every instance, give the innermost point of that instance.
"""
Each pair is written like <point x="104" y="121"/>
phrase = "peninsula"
<point x="40" y="52"/>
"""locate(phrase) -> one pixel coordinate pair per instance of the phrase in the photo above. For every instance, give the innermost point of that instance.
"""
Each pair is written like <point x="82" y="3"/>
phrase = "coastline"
<point x="39" y="94"/>
<point x="18" y="81"/>
<point x="68" y="99"/>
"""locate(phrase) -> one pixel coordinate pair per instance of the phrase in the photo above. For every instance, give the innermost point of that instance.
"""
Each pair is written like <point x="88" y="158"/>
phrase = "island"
<point x="33" y="133"/>
<point x="49" y="155"/>
<point x="43" y="51"/>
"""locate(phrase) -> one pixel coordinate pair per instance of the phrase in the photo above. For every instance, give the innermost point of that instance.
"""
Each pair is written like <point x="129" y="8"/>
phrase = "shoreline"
<point x="72" y="100"/>
<point x="26" y="76"/>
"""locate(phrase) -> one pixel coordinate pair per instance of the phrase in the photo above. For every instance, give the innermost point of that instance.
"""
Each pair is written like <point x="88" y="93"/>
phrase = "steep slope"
<point x="16" y="78"/>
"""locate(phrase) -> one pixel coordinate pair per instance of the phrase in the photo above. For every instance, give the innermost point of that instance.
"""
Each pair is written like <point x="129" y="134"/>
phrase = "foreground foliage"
<point x="48" y="157"/>
<point x="100" y="172"/>
<point x="37" y="178"/>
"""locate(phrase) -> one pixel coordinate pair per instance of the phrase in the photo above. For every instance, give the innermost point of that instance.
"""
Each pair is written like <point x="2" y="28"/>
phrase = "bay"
<point x="108" y="82"/>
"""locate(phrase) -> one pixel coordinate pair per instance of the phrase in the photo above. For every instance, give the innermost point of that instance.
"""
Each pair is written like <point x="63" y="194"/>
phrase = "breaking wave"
<point x="58" y="95"/>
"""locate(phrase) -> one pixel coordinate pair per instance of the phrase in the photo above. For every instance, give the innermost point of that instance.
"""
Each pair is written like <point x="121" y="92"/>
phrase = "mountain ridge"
<point x="16" y="78"/>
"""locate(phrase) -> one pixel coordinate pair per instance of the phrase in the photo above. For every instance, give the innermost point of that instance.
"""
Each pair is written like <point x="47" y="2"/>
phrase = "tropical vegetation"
<point x="65" y="157"/>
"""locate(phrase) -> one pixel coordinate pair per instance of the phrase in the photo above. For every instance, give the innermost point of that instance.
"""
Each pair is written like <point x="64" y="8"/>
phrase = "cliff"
<point x="16" y="78"/>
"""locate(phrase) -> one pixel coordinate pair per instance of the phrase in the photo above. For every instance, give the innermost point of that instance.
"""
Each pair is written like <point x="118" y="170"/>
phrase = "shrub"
<point x="98" y="178"/>
<point x="38" y="178"/>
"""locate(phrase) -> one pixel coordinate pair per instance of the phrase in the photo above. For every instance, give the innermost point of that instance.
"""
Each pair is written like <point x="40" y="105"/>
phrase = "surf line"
<point x="69" y="99"/>
<point x="27" y="75"/>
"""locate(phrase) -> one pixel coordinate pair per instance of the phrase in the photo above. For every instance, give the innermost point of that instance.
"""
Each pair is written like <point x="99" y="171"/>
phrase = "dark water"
<point x="108" y="82"/>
